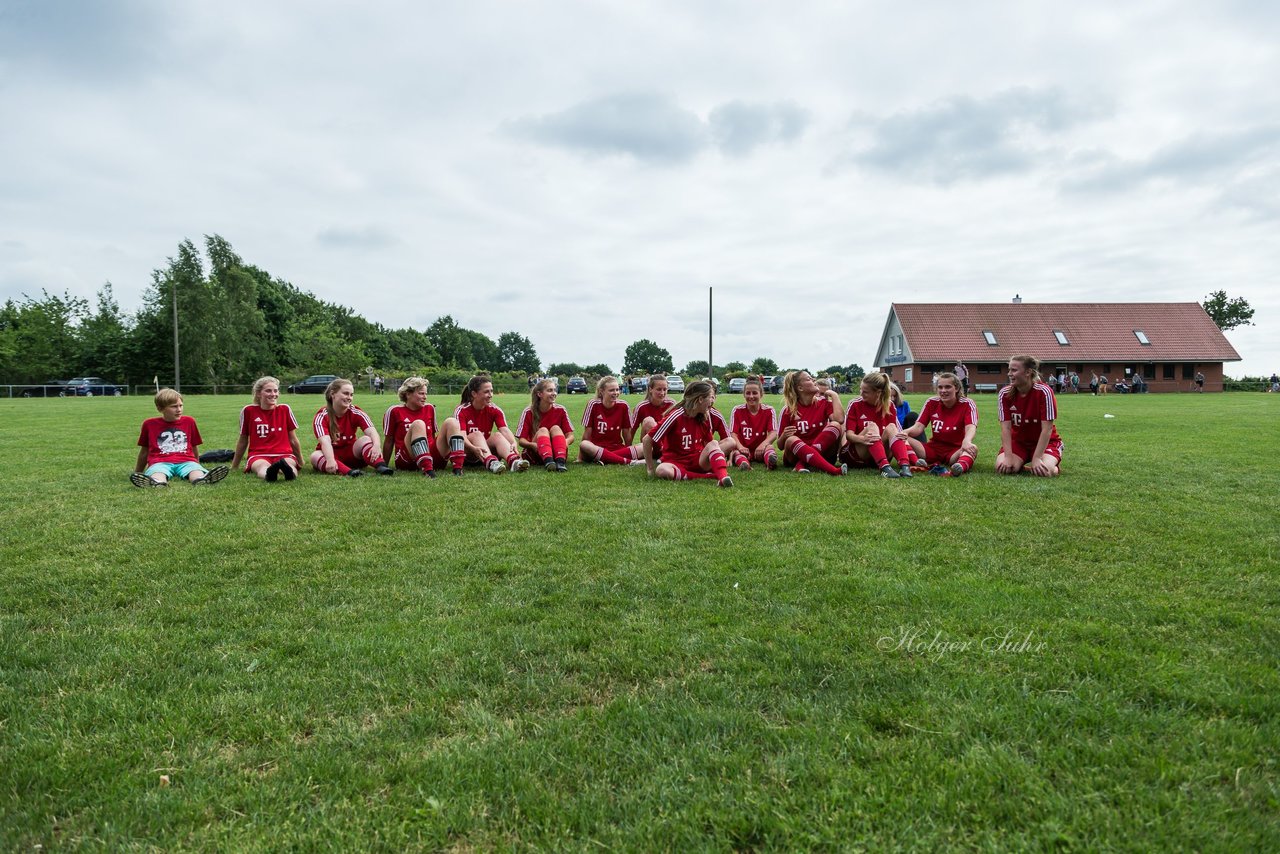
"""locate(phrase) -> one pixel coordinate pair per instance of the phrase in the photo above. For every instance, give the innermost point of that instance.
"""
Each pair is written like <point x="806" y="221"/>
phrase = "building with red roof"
<point x="1165" y="343"/>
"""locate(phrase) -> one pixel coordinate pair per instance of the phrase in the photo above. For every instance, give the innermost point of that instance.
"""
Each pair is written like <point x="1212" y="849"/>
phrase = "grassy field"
<point x="598" y="660"/>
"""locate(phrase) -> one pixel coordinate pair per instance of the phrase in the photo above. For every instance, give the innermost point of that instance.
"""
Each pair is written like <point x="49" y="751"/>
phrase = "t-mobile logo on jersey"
<point x="802" y="427"/>
<point x="938" y="425"/>
<point x="747" y="433"/>
<point x="263" y="430"/>
<point x="686" y="441"/>
<point x="1015" y="418"/>
<point x="602" y="426"/>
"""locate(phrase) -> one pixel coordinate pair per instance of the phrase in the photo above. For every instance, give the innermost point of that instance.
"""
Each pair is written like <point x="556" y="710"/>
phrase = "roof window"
<point x="1142" y="337"/>
<point x="990" y="336"/>
<point x="1061" y="336"/>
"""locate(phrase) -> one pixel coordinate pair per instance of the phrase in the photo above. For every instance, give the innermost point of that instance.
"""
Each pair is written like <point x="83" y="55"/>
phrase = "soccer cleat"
<point x="520" y="466"/>
<point x="431" y="473"/>
<point x="726" y="482"/>
<point x="906" y="471"/>
<point x="354" y="472"/>
<point x="549" y="465"/>
<point x="938" y="470"/>
<point x="844" y="469"/>
<point x="745" y="465"/>
<point x="561" y="467"/>
<point x="770" y="463"/>
<point x="457" y="472"/>
<point x="956" y="470"/>
<point x="919" y="465"/>
<point x="384" y="469"/>
<point x="139" y="479"/>
<point x="637" y="463"/>
<point x="496" y="467"/>
<point x="802" y="470"/>
<point x="887" y="471"/>
<point x="214" y="475"/>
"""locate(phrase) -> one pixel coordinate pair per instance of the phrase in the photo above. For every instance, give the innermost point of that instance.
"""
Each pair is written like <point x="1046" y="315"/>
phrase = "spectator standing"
<point x="963" y="374"/>
<point x="1199" y="381"/>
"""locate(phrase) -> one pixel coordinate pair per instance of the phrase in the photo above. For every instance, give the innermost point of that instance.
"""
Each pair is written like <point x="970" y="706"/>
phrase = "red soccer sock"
<point x="511" y="459"/>
<point x="559" y="448"/>
<point x="544" y="447"/>
<point x="739" y="458"/>
<point x="340" y="467"/>
<point x="828" y="438"/>
<point x="371" y="455"/>
<point x="719" y="465"/>
<point x="457" y="458"/>
<point x="693" y="475"/>
<point x="771" y="459"/>
<point x="812" y="458"/>
<point x="616" y="458"/>
<point x="877" y="453"/>
<point x="965" y="461"/>
<point x="902" y="452"/>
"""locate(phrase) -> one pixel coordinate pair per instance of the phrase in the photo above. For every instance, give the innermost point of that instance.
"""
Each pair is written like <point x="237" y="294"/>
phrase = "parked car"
<point x="772" y="385"/>
<point x="51" y="388"/>
<point x="675" y="384"/>
<point x="737" y="384"/>
<point x="639" y="385"/>
<point x="92" y="387"/>
<point x="315" y="384"/>
<point x="576" y="385"/>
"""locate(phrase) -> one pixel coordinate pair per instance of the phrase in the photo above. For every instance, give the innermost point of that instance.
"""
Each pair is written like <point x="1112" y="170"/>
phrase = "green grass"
<point x="596" y="659"/>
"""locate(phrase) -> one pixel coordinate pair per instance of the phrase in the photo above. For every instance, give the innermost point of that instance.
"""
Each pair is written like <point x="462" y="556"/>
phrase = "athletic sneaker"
<point x="906" y="471"/>
<point x="956" y="470"/>
<point x="726" y="482"/>
<point x="560" y="466"/>
<point x="844" y="469"/>
<point x="887" y="471"/>
<point x="496" y="467"/>
<point x="802" y="470"/>
<point x="383" y="468"/>
<point x="139" y="479"/>
<point x="637" y="463"/>
<point x="214" y="475"/>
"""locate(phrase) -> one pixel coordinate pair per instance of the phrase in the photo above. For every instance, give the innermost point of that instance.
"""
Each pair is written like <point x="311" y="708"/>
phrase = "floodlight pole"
<point x="177" y="375"/>
<point x="710" y="363"/>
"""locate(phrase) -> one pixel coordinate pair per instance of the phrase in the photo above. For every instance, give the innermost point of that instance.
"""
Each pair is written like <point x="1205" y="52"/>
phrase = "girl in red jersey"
<point x="809" y="429"/>
<point x="269" y="433"/>
<point x="871" y="428"/>
<point x="606" y="427"/>
<point x="346" y="440"/>
<point x="409" y="434"/>
<point x="1027" y="409"/>
<point x="755" y="426"/>
<point x="953" y="422"/>
<point x="649" y="414"/>
<point x="684" y="438"/>
<point x="484" y="428"/>
<point x="545" y="431"/>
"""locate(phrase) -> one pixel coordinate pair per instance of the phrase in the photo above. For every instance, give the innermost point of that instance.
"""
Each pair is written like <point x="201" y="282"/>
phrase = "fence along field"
<point x="597" y="658"/>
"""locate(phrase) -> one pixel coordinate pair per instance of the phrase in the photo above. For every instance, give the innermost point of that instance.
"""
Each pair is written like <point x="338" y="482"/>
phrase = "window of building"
<point x="1188" y="371"/>
<point x="990" y="336"/>
<point x="908" y="375"/>
<point x="1149" y="370"/>
<point x="1106" y="368"/>
<point x="1061" y="336"/>
<point x="1170" y="371"/>
<point x="1142" y="337"/>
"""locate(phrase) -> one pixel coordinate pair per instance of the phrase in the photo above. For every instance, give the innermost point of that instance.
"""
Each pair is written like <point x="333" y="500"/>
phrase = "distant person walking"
<point x="1093" y="384"/>
<point x="1199" y="382"/>
<point x="962" y="373"/>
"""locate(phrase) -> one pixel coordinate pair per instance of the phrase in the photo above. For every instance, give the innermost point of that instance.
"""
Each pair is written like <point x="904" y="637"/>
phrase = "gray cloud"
<point x="738" y="128"/>
<point x="1198" y="158"/>
<point x="647" y="127"/>
<point x="963" y="138"/>
<point x="365" y="237"/>
<point x="90" y="39"/>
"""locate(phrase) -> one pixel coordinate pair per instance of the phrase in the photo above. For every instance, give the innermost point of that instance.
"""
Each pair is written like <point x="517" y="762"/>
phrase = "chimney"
<point x="1017" y="299"/>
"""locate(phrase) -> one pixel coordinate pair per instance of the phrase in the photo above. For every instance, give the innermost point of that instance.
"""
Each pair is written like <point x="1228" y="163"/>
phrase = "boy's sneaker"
<point x="726" y="482"/>
<point x="561" y="466"/>
<point x="496" y="467"/>
<point x="214" y="475"/>
<point x="906" y="471"/>
<point x="520" y="465"/>
<point x="139" y="479"/>
<point x="956" y="470"/>
<point x="384" y="469"/>
<point x="887" y="471"/>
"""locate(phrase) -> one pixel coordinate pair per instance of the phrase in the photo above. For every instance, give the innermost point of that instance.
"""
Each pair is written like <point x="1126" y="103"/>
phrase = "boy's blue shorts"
<point x="174" y="470"/>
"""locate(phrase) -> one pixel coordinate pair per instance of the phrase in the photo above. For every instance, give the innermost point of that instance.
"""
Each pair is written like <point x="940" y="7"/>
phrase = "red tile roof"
<point x="1178" y="332"/>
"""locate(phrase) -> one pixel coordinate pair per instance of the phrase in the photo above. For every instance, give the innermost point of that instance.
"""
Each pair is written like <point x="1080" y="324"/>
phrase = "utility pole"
<point x="711" y="365"/>
<point x="177" y="375"/>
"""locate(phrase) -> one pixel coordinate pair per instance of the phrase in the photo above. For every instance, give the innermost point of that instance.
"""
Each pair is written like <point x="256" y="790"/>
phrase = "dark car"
<point x="315" y="384"/>
<point x="576" y="385"/>
<point x="772" y="385"/>
<point x="51" y="388"/>
<point x="92" y="387"/>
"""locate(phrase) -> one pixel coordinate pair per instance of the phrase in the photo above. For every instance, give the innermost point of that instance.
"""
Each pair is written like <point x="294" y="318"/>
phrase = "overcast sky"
<point x="582" y="172"/>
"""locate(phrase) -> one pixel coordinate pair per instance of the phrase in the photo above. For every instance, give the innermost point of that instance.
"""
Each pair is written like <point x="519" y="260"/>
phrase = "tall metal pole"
<point x="711" y="365"/>
<point x="177" y="374"/>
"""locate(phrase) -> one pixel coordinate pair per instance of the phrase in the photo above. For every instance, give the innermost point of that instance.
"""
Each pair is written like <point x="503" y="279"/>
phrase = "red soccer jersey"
<point x="860" y="412"/>
<point x="351" y="426"/>
<point x="751" y="429"/>
<point x="395" y="425"/>
<point x="682" y="438"/>
<point x="268" y="429"/>
<point x="808" y="420"/>
<point x="946" y="426"/>
<point x="170" y="441"/>
<point x="556" y="416"/>
<point x="482" y="421"/>
<point x="1026" y="412"/>
<point x="606" y="423"/>
<point x="649" y="410"/>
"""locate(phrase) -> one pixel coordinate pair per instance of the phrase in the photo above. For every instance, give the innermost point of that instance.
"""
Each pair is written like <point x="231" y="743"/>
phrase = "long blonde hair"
<point x="329" y="391"/>
<point x="602" y="384"/>
<point x="535" y="399"/>
<point x="694" y="392"/>
<point x="880" y="381"/>
<point x="791" y="390"/>
<point x="1030" y="364"/>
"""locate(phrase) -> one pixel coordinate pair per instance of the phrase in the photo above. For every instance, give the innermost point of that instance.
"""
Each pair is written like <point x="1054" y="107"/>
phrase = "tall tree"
<point x="44" y="337"/>
<point x="241" y="350"/>
<point x="516" y="353"/>
<point x="646" y="357"/>
<point x="104" y="339"/>
<point x="597" y="370"/>
<point x="762" y="365"/>
<point x="566" y="369"/>
<point x="1228" y="313"/>
<point x="484" y="352"/>
<point x="452" y="342"/>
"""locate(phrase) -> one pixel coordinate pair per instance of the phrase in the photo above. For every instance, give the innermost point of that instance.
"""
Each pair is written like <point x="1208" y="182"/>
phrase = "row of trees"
<point x="236" y="322"/>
